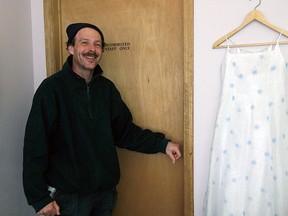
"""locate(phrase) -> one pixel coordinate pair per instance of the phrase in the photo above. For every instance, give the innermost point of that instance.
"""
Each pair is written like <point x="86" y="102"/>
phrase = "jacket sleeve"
<point x="131" y="136"/>
<point x="35" y="151"/>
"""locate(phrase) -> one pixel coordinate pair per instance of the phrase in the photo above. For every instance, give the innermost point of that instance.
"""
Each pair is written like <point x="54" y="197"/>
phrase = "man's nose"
<point x="91" y="47"/>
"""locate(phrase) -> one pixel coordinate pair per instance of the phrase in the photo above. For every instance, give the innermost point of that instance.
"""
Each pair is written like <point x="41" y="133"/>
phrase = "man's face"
<point x="87" y="50"/>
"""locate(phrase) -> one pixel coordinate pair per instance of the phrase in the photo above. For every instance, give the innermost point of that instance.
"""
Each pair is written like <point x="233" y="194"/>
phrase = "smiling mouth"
<point x="90" y="55"/>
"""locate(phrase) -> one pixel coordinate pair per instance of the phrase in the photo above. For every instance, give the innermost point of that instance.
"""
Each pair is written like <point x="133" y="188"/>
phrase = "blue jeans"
<point x="94" y="204"/>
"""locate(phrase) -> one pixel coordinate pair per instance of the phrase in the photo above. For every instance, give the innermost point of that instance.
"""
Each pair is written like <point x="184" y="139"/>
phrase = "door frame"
<point x="53" y="63"/>
<point x="188" y="22"/>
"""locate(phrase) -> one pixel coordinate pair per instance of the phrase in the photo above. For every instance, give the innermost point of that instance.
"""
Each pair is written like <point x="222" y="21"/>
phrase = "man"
<point x="76" y="120"/>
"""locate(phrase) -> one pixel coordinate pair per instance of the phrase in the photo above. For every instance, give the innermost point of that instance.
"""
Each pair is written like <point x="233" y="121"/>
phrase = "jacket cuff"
<point x="42" y="203"/>
<point x="163" y="145"/>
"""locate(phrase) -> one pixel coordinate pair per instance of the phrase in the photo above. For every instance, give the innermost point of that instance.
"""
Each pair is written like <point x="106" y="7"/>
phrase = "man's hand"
<point x="173" y="151"/>
<point x="50" y="209"/>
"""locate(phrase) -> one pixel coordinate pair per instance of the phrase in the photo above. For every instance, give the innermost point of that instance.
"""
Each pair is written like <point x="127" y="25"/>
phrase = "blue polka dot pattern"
<point x="249" y="155"/>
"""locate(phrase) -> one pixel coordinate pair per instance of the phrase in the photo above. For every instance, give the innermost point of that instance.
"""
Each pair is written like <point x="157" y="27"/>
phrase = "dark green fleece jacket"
<point x="71" y="134"/>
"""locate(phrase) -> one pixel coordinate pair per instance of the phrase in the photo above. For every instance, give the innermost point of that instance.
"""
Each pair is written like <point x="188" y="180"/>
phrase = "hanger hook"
<point x="257" y="5"/>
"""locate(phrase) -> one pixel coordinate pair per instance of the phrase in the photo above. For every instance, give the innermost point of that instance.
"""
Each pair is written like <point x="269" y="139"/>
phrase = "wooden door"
<point x="145" y="58"/>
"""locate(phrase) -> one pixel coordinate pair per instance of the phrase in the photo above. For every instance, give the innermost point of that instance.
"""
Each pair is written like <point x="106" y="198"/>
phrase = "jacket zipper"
<point x="89" y="102"/>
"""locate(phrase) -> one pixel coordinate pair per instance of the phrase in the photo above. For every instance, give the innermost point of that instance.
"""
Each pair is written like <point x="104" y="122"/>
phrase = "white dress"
<point x="249" y="156"/>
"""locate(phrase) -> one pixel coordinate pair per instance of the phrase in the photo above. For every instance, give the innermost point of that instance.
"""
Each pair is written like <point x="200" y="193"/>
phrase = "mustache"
<point x="90" y="54"/>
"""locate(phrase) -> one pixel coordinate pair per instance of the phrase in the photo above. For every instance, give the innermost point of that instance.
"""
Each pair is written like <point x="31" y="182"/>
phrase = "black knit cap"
<point x="73" y="28"/>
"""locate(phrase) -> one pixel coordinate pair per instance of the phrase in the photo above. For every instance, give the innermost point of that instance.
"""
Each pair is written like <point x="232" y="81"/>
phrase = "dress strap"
<point x="228" y="47"/>
<point x="280" y="34"/>
<point x="276" y="41"/>
<point x="228" y="42"/>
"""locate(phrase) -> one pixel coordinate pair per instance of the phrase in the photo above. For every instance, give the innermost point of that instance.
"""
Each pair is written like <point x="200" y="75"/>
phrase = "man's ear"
<point x="70" y="48"/>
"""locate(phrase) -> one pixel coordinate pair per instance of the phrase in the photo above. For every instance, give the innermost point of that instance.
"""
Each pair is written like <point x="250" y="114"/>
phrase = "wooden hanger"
<point x="254" y="15"/>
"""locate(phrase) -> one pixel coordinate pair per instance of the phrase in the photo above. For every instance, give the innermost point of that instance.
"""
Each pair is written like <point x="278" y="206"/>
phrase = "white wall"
<point x="213" y="19"/>
<point x="16" y="89"/>
<point x="21" y="68"/>
<point x="38" y="42"/>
